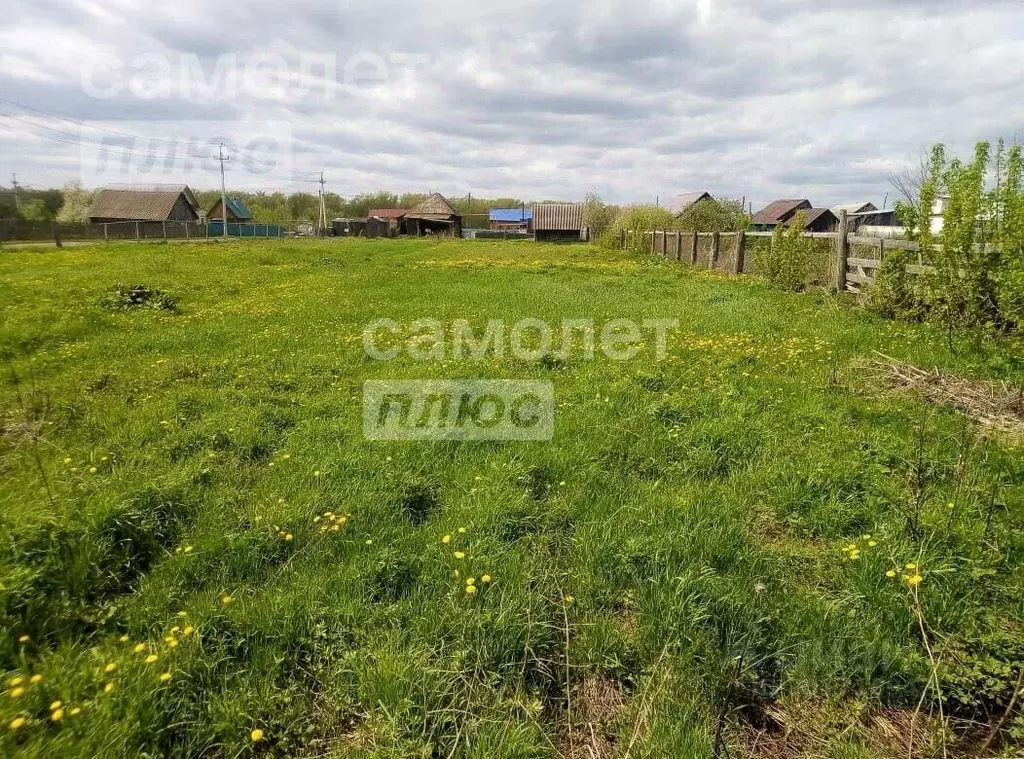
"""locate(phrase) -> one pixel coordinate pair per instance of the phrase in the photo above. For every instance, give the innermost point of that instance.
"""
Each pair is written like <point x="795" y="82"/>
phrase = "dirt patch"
<point x="992" y="404"/>
<point x="816" y="729"/>
<point x="597" y="712"/>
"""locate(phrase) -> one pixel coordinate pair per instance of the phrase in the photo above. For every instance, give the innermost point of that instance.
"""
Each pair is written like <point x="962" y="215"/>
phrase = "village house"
<point x="238" y="212"/>
<point x="680" y="203"/>
<point x="435" y="215"/>
<point x="511" y="219"/>
<point x="120" y="203"/>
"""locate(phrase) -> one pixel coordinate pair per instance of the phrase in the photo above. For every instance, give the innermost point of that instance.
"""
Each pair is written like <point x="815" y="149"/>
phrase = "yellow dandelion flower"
<point x="165" y="677"/>
<point x="462" y="530"/>
<point x="189" y="629"/>
<point x="108" y="687"/>
<point x="139" y="648"/>
<point x="16" y="681"/>
<point x="288" y="537"/>
<point x="17" y="692"/>
<point x="256" y="735"/>
<point x="74" y="711"/>
<point x="470" y="581"/>
<point x="911" y="566"/>
<point x="151" y="658"/>
<point x="369" y="542"/>
<point x="124" y="639"/>
<point x="182" y="614"/>
<point x="36" y="679"/>
<point x="17" y="723"/>
<point x="225" y="600"/>
<point x="56" y="705"/>
<point x="24" y="639"/>
<point x="92" y="470"/>
<point x="67" y="460"/>
<point x="187" y="549"/>
<point x="872" y="543"/>
<point x="471" y="589"/>
<point x="57" y="715"/>
<point x="891" y="573"/>
<point x="110" y="667"/>
<point x="175" y="629"/>
<point x="866" y="537"/>
<point x="446" y="539"/>
<point x="914" y="581"/>
<point x="846" y="549"/>
<point x="569" y="599"/>
<point x="172" y="643"/>
<point x="459" y="555"/>
<point x="485" y="579"/>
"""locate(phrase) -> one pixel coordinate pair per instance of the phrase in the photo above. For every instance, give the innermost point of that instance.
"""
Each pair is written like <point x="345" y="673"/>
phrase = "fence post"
<point x="741" y="252"/>
<point x="716" y="241"/>
<point x="842" y="251"/>
<point x="881" y="249"/>
<point x="679" y="246"/>
<point x="694" y="242"/>
<point x="136" y="230"/>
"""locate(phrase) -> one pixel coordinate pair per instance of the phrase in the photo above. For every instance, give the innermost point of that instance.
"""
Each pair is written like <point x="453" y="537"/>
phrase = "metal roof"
<point x="810" y="215"/>
<point x="851" y="208"/>
<point x="558" y="217"/>
<point x="239" y="209"/>
<point x="775" y="212"/>
<point x="386" y="213"/>
<point x="140" y="202"/>
<point x="511" y="214"/>
<point x="680" y="203"/>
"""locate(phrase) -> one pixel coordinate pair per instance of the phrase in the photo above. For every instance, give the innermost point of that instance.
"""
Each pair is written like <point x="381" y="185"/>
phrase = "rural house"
<point x="814" y="220"/>
<point x="238" y="212"/>
<point x="558" y="222"/>
<point x="680" y="203"/>
<point x="144" y="203"/>
<point x="435" y="215"/>
<point x="511" y="219"/>
<point x="776" y="213"/>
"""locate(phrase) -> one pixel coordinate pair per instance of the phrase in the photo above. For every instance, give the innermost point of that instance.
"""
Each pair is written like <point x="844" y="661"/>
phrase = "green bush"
<point x="894" y="294"/>
<point x="789" y="262"/>
<point x="640" y="221"/>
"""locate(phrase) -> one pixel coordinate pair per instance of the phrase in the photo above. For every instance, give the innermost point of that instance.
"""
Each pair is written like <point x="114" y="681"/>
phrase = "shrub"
<point x="639" y="220"/>
<point x="789" y="262"/>
<point x="894" y="295"/>
<point x="138" y="296"/>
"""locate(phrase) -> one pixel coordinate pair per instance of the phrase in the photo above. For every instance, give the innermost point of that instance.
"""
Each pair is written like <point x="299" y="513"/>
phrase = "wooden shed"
<point x="558" y="222"/>
<point x="778" y="212"/>
<point x="435" y="215"/>
<point x="238" y="212"/>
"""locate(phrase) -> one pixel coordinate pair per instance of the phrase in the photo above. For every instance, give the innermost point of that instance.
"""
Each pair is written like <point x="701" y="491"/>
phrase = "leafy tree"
<point x="725" y="215"/>
<point x="598" y="216"/>
<point x="35" y="210"/>
<point x="76" y="204"/>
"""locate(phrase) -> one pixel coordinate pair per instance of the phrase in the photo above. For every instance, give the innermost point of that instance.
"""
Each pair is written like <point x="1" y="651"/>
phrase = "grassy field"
<point x="751" y="544"/>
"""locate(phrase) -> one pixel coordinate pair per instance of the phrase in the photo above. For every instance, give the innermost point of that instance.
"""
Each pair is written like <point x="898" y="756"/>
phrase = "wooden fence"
<point x="729" y="252"/>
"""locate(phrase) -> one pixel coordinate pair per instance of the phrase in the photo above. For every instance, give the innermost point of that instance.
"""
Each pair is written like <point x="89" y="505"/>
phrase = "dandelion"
<point x="16" y="681"/>
<point x="17" y="723"/>
<point x="866" y="537"/>
<point x="75" y="711"/>
<point x="92" y="470"/>
<point x="165" y="677"/>
<point x="288" y="537"/>
<point x="67" y="460"/>
<point x="872" y="543"/>
<point x="462" y="530"/>
<point x="139" y="648"/>
<point x="151" y="658"/>
<point x="110" y="667"/>
<point x="24" y="639"/>
<point x="17" y="692"/>
<point x="35" y="679"/>
<point x="256" y="735"/>
<point x="485" y="579"/>
<point x="56" y="705"/>
<point x="369" y="542"/>
<point x="891" y="573"/>
<point x="470" y="581"/>
<point x="459" y="555"/>
<point x="914" y="581"/>
<point x="911" y="566"/>
<point x="108" y="687"/>
<point x="471" y="589"/>
<point x="446" y="539"/>
<point x="189" y="629"/>
<point x="182" y="614"/>
<point x="569" y="599"/>
<point x="124" y="639"/>
<point x="225" y="600"/>
<point x="188" y="549"/>
<point x="57" y="715"/>
<point x="172" y="643"/>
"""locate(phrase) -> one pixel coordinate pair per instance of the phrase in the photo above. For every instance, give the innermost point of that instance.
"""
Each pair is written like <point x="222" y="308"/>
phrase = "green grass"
<point x="676" y="548"/>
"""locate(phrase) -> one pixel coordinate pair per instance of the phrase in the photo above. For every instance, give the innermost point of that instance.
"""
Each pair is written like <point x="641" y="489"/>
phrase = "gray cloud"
<point x="761" y="98"/>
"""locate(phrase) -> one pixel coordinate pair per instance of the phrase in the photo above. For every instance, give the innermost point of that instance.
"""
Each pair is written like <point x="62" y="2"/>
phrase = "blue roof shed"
<point x="511" y="214"/>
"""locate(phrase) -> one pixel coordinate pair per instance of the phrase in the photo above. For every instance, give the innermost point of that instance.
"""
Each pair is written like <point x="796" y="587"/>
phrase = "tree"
<point x="598" y="216"/>
<point x="35" y="210"/>
<point x="725" y="215"/>
<point x="77" y="201"/>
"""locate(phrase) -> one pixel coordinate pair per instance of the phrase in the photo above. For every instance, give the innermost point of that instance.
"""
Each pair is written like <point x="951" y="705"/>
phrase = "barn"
<point x="144" y="203"/>
<point x="778" y="212"/>
<point x="678" y="205"/>
<point x="814" y="220"/>
<point x="558" y="222"/>
<point x="435" y="215"/>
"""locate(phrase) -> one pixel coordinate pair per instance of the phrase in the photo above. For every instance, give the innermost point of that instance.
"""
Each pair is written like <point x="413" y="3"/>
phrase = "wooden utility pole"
<point x="842" y="251"/>
<point x="223" y="190"/>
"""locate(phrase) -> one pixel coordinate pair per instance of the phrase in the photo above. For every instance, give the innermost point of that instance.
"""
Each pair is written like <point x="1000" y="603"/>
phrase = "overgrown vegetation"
<point x="979" y="252"/>
<point x="745" y="544"/>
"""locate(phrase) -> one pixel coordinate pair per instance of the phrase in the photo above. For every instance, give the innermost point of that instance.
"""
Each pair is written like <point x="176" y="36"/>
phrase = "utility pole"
<point x="223" y="191"/>
<point x="322" y="219"/>
<point x="14" y="187"/>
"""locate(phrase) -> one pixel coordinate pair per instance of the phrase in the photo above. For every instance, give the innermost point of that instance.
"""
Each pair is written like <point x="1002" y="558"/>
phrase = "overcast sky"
<point x="541" y="100"/>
